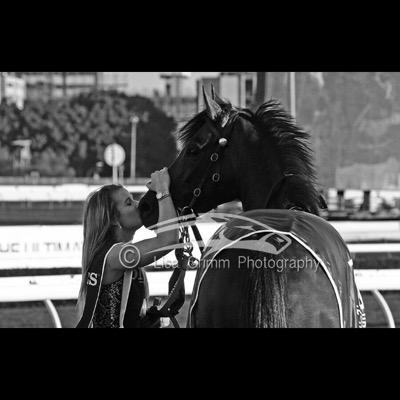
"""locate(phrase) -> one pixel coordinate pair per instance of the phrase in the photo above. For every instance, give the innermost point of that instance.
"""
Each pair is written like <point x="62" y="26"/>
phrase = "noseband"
<point x="215" y="156"/>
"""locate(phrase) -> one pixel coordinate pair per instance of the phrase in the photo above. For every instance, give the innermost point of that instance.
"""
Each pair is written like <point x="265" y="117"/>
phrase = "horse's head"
<point x="261" y="158"/>
<point x="202" y="175"/>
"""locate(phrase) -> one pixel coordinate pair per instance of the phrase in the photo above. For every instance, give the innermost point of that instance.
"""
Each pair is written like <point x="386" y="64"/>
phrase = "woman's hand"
<point x="160" y="181"/>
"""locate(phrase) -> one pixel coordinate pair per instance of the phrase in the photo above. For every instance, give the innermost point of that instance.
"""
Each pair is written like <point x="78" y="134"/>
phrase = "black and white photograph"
<point x="166" y="200"/>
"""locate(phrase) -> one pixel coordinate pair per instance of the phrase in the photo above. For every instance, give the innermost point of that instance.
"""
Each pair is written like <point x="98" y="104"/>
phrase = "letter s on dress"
<point x="92" y="279"/>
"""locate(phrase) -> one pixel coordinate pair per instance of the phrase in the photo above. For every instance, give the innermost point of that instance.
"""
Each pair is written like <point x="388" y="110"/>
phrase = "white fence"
<point x="66" y="287"/>
<point x="41" y="246"/>
<point x="60" y="246"/>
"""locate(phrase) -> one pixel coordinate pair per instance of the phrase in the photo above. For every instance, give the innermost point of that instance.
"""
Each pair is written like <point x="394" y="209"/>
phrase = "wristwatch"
<point x="162" y="195"/>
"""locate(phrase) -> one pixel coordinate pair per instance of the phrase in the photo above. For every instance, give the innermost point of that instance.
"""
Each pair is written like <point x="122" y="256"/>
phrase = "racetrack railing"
<point x="66" y="287"/>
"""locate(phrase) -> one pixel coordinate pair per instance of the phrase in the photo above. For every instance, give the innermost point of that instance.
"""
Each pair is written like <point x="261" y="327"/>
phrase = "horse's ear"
<point x="212" y="92"/>
<point x="212" y="108"/>
<point x="216" y="98"/>
<point x="322" y="202"/>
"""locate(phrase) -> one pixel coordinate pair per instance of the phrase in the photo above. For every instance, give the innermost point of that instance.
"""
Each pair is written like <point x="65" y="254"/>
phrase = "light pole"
<point x="2" y="86"/>
<point x="261" y="88"/>
<point x="242" y="89"/>
<point x="292" y="88"/>
<point x="134" y="121"/>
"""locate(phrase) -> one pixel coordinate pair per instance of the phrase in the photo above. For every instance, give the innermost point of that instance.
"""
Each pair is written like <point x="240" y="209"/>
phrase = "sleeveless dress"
<point x="108" y="306"/>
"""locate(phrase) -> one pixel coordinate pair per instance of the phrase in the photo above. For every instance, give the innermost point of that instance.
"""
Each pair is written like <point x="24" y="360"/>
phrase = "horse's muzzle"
<point x="148" y="209"/>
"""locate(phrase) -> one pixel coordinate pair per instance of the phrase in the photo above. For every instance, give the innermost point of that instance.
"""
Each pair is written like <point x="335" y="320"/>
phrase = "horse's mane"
<point x="294" y="154"/>
<point x="189" y="130"/>
<point x="291" y="144"/>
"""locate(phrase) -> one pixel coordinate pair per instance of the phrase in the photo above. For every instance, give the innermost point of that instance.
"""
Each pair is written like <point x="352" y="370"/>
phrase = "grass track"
<point x="35" y="315"/>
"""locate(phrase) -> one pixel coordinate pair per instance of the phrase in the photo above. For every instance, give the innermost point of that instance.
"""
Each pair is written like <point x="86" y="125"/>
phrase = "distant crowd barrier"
<point x="55" y="193"/>
<point x="32" y="180"/>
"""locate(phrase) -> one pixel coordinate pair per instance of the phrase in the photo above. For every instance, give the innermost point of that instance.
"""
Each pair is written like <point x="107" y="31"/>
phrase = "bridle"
<point x="184" y="255"/>
<point x="225" y="133"/>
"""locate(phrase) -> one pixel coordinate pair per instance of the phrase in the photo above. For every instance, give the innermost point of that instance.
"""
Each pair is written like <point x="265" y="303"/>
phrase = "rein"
<point x="176" y="285"/>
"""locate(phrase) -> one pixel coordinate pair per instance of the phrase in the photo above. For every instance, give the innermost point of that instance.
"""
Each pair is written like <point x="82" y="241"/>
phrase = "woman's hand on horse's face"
<point x="160" y="181"/>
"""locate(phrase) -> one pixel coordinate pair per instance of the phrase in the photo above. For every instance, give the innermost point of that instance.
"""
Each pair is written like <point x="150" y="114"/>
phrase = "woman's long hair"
<point x="99" y="214"/>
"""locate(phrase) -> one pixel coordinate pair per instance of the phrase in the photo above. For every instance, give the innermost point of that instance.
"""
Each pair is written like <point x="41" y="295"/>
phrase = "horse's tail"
<point x="268" y="293"/>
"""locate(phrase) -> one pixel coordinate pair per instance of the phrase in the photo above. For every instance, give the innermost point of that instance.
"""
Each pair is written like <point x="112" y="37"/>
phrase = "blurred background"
<point x="63" y="134"/>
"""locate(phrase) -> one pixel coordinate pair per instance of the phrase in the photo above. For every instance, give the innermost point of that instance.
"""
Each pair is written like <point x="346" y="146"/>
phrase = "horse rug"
<point x="316" y="235"/>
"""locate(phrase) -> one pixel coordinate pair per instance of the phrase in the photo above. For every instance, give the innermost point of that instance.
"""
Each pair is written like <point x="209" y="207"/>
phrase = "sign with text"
<point x="46" y="246"/>
<point x="114" y="155"/>
<point x="40" y="246"/>
<point x="60" y="246"/>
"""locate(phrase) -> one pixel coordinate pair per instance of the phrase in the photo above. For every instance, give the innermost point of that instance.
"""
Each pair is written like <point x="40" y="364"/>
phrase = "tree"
<point x="69" y="136"/>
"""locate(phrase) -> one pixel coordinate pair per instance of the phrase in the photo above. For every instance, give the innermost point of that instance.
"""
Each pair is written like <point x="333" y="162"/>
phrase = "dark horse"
<point x="264" y="160"/>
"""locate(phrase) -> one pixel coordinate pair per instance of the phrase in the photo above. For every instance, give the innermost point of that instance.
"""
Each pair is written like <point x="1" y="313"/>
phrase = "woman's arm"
<point x="145" y="252"/>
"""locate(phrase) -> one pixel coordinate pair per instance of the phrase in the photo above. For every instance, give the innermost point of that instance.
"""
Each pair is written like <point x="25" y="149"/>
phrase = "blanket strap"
<point x="126" y="286"/>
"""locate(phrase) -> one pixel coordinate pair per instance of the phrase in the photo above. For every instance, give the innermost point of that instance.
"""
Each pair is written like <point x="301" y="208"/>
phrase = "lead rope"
<point x="176" y="284"/>
<point x="184" y="255"/>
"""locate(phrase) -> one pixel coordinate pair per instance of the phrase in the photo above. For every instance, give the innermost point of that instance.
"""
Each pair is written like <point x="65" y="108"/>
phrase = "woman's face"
<point x="129" y="216"/>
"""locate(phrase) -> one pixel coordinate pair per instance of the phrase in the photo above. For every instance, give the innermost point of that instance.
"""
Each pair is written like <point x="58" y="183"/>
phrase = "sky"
<point x="145" y="82"/>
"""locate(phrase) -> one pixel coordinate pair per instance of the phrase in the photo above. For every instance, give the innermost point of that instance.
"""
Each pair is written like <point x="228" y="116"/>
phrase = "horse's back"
<point x="322" y="294"/>
<point x="325" y="244"/>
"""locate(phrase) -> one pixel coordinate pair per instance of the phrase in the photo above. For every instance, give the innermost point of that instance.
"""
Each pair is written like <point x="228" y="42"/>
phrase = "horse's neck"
<point x="276" y="191"/>
<point x="258" y="201"/>
<point x="261" y="199"/>
<point x="257" y="205"/>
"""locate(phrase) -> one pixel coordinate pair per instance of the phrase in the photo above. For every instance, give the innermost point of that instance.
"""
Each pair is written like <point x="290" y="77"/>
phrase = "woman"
<point x="110" y="220"/>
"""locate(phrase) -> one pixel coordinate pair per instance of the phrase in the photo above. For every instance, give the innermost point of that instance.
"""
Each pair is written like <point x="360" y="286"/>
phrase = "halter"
<point x="215" y="156"/>
<point x="216" y="176"/>
<point x="184" y="255"/>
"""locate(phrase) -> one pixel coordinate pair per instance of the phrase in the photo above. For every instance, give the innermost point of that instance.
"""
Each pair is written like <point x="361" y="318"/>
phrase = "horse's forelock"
<point x="190" y="130"/>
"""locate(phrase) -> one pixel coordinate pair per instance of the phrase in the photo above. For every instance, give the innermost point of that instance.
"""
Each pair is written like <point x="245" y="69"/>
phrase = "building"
<point x="55" y="85"/>
<point x="47" y="85"/>
<point x="120" y="81"/>
<point x="12" y="89"/>
<point x="174" y="82"/>
<point x="237" y="87"/>
<point x="281" y="86"/>
<point x="173" y="101"/>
